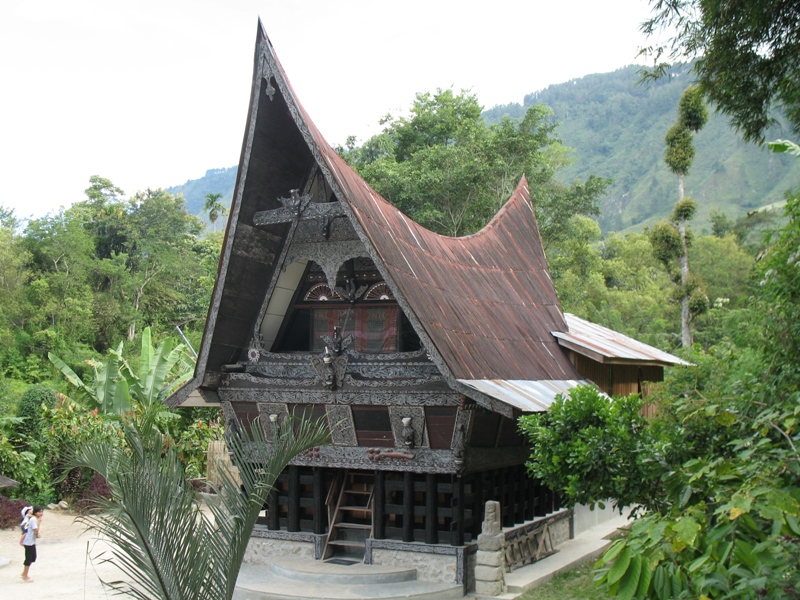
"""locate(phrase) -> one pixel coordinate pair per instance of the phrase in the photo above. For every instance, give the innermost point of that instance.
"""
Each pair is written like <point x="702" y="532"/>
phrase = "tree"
<point x="167" y="546"/>
<point x="449" y="171"/>
<point x="214" y="208"/>
<point x="748" y="54"/>
<point x="729" y="523"/>
<point x="670" y="239"/>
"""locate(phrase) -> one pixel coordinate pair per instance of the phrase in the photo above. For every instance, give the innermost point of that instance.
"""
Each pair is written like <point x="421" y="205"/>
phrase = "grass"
<point x="575" y="584"/>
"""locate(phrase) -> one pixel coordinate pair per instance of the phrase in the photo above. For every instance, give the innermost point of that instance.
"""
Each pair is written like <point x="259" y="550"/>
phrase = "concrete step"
<point x="290" y="578"/>
<point x="302" y="569"/>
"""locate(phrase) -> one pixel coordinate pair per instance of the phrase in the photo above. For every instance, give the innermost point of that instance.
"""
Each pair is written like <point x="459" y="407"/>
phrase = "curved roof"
<point x="484" y="304"/>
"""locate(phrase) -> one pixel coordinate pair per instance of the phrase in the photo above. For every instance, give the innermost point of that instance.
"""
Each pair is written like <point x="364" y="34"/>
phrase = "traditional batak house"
<point x="420" y="350"/>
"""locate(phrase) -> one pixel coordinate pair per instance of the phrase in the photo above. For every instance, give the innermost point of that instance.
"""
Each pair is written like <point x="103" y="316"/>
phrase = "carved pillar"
<point x="491" y="556"/>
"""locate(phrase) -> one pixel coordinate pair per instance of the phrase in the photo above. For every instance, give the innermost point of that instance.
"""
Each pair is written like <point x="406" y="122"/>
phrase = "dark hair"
<point x="37" y="509"/>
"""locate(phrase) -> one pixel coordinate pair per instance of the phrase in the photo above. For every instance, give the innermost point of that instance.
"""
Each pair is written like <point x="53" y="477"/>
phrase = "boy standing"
<point x="29" y="541"/>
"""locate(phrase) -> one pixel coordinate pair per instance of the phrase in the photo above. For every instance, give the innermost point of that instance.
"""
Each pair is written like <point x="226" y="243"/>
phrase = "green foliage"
<point x="729" y="525"/>
<point x="666" y="247"/>
<point x="30" y="409"/>
<point x="590" y="448"/>
<point x="167" y="546"/>
<point x="214" y="208"/>
<point x="449" y="171"/>
<point x="117" y="387"/>
<point x="684" y="210"/>
<point x="680" y="151"/>
<point x="748" y="56"/>
<point x="191" y="443"/>
<point x="692" y="111"/>
<point x="23" y="465"/>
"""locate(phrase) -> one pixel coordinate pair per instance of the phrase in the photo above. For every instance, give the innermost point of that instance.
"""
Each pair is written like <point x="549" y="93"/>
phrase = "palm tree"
<point x="214" y="208"/>
<point x="162" y="540"/>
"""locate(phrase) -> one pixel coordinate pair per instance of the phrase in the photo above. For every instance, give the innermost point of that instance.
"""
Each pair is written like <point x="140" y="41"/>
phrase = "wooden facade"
<point x="331" y="303"/>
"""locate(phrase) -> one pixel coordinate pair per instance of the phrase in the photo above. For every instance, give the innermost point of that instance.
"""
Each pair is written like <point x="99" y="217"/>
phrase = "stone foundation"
<point x="261" y="550"/>
<point x="560" y="530"/>
<point x="438" y="563"/>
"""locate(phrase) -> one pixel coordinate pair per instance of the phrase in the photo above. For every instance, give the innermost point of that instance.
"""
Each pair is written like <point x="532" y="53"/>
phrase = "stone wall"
<point x="430" y="567"/>
<point x="559" y="531"/>
<point x="261" y="551"/>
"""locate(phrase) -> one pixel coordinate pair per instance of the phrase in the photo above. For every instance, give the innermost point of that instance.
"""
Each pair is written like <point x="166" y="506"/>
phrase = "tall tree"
<point x="214" y="208"/>
<point x="670" y="239"/>
<point x="445" y="168"/>
<point x="748" y="55"/>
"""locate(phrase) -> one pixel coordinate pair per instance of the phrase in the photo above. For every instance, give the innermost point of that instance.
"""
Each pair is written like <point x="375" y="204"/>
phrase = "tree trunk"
<point x="686" y="331"/>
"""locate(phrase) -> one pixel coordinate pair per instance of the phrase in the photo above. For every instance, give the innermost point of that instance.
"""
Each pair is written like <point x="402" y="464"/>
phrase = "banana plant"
<point x="116" y="387"/>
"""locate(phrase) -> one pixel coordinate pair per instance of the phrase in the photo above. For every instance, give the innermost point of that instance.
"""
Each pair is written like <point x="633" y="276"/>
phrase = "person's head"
<point x="26" y="512"/>
<point x="38" y="511"/>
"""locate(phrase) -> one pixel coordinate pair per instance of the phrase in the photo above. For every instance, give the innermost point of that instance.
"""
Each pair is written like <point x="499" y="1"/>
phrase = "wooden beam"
<point x="319" y="500"/>
<point x="431" y="510"/>
<point x="408" y="507"/>
<point x="294" y="499"/>
<point x="457" y="527"/>
<point x="379" y="508"/>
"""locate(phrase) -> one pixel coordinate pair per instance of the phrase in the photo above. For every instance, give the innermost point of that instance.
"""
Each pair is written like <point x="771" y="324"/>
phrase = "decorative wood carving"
<point x="375" y="454"/>
<point x="417" y="424"/>
<point x="271" y="416"/>
<point x="340" y="422"/>
<point x="330" y="370"/>
<point x="299" y="207"/>
<point x="345" y="397"/>
<point x="330" y="256"/>
<point x="353" y="457"/>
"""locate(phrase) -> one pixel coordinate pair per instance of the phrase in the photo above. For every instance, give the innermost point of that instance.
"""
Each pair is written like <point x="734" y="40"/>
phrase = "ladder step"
<point x="353" y="525"/>
<point x="361" y="492"/>
<point x="346" y="543"/>
<point x="365" y="509"/>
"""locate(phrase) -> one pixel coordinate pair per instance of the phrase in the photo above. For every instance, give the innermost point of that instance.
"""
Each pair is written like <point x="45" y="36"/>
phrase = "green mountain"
<point x="617" y="129"/>
<point x="215" y="181"/>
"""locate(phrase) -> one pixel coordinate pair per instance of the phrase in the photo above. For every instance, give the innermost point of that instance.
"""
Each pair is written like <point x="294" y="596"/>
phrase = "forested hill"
<point x="215" y="181"/>
<point x="617" y="129"/>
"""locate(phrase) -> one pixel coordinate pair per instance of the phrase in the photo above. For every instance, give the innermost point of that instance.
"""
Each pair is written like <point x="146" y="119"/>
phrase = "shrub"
<point x="30" y="408"/>
<point x="590" y="448"/>
<point x="10" y="512"/>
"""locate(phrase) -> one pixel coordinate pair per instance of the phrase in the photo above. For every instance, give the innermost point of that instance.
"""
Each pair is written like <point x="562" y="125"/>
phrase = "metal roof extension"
<point x="611" y="347"/>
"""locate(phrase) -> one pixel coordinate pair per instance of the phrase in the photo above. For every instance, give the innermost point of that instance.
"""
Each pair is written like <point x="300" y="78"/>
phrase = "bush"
<point x="96" y="490"/>
<point x="30" y="408"/>
<point x="11" y="512"/>
<point x="590" y="448"/>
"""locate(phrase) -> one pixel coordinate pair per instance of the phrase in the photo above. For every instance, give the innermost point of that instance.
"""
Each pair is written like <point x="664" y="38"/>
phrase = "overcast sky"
<point x="152" y="93"/>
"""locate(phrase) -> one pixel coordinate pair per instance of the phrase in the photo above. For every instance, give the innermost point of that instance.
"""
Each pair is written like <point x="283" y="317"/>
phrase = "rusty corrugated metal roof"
<point x="486" y="301"/>
<point x="608" y="346"/>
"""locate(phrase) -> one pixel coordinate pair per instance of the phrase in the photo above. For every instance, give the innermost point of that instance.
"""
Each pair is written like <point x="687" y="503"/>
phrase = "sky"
<point x="152" y="93"/>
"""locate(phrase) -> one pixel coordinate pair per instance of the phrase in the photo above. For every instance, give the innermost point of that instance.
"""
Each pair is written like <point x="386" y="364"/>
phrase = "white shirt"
<point x="30" y="535"/>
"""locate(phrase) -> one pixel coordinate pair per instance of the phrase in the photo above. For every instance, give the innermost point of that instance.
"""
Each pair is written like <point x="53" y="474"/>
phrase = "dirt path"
<point x="62" y="570"/>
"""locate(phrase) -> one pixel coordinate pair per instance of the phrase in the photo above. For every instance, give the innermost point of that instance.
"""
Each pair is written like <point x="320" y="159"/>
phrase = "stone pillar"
<point x="491" y="557"/>
<point x="220" y="460"/>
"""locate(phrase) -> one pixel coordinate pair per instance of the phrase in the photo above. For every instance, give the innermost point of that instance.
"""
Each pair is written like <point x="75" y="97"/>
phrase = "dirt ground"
<point x="62" y="570"/>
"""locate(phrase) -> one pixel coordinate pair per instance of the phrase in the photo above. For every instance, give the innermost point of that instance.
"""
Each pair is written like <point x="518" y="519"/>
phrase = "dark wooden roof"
<point x="485" y="302"/>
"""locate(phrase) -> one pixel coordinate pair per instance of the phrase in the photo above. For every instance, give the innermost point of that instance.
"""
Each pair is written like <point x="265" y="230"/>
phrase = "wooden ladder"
<point x="351" y="519"/>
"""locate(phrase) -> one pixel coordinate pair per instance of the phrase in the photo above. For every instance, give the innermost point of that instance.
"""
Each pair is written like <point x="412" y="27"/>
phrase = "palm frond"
<point x="162" y="541"/>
